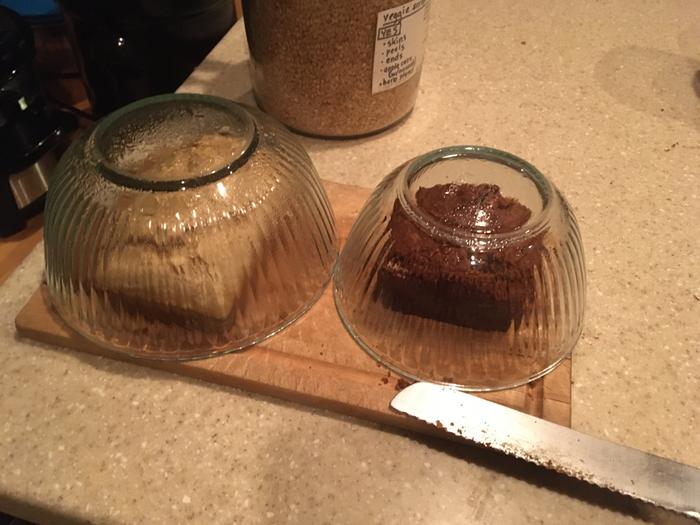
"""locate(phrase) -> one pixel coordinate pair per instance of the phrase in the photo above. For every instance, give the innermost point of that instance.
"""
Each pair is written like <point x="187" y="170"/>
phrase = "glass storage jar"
<point x="336" y="68"/>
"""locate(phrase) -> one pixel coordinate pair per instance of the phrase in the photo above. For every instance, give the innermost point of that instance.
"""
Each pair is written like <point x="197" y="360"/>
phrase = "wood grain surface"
<point x="314" y="361"/>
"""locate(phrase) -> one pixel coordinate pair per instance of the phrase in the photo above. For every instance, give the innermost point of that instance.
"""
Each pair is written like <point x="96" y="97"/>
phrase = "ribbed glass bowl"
<point x="184" y="226"/>
<point x="465" y="267"/>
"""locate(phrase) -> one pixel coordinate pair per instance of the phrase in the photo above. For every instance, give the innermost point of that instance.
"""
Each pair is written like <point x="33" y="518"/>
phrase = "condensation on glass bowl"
<point x="185" y="226"/>
<point x="479" y="306"/>
<point x="162" y="142"/>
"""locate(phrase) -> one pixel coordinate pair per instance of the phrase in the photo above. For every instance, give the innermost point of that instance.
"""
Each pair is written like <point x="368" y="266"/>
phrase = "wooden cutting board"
<point x="314" y="361"/>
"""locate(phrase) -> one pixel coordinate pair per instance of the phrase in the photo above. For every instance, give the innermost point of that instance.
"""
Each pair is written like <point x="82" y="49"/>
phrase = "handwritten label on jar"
<point x="400" y="44"/>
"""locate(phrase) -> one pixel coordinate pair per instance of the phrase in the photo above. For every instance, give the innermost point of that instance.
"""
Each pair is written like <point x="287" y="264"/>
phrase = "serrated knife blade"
<point x="646" y="477"/>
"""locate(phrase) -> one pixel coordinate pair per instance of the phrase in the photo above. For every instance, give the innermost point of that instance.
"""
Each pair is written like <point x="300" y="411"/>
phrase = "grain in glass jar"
<point x="336" y="68"/>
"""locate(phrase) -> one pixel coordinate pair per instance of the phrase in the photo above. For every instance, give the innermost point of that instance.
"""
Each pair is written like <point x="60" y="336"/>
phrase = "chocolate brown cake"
<point x="432" y="278"/>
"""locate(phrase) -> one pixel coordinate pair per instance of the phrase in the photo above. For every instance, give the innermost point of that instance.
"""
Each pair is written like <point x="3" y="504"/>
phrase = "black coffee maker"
<point x="30" y="129"/>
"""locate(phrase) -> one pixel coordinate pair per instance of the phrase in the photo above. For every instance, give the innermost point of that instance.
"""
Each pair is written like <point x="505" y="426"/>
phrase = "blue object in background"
<point x="36" y="11"/>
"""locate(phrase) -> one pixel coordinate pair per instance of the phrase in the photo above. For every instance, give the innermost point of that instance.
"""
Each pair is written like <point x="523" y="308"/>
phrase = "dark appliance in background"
<point x="130" y="49"/>
<point x="31" y="130"/>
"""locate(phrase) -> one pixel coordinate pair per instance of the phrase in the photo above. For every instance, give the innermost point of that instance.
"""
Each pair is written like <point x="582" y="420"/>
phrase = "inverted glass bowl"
<point x="465" y="267"/>
<point x="184" y="226"/>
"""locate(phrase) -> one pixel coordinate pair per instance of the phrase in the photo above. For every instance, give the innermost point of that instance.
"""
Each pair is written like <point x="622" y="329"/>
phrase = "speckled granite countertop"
<point x="601" y="96"/>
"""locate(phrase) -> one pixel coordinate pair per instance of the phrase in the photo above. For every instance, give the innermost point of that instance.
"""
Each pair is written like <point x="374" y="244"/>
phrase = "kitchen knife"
<point x="618" y="468"/>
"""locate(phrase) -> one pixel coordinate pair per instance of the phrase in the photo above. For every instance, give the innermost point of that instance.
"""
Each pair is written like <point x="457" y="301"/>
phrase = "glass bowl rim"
<point x="466" y="238"/>
<point x="114" y="174"/>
